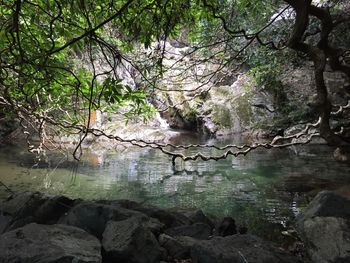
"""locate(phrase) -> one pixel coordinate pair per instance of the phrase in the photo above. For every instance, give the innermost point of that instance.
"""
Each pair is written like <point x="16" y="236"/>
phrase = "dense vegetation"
<point x="51" y="52"/>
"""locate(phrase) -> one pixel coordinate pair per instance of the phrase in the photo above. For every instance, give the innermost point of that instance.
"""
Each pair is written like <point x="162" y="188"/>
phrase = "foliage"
<point x="43" y="44"/>
<point x="60" y="60"/>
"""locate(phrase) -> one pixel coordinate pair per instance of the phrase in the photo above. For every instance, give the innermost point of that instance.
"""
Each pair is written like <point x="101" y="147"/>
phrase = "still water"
<point x="264" y="190"/>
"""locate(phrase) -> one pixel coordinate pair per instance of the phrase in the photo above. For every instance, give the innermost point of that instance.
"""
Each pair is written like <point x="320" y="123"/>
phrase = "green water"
<point x="264" y="190"/>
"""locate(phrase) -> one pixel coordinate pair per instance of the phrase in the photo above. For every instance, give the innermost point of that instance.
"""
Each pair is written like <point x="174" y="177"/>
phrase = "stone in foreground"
<point x="178" y="248"/>
<point x="238" y="249"/>
<point x="92" y="216"/>
<point x="24" y="208"/>
<point x="130" y="241"/>
<point x="197" y="230"/>
<point x="49" y="244"/>
<point x="325" y="228"/>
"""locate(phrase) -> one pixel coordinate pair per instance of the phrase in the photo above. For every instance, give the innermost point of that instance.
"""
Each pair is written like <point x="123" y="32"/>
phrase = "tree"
<point x="42" y="79"/>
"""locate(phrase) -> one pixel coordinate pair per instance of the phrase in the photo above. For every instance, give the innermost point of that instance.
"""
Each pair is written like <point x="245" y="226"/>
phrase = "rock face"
<point x="49" y="243"/>
<point x="240" y="249"/>
<point x="225" y="103"/>
<point x="130" y="241"/>
<point x="325" y="228"/>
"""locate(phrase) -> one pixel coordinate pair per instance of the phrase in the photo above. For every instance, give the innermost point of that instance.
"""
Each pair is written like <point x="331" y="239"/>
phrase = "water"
<point x="264" y="190"/>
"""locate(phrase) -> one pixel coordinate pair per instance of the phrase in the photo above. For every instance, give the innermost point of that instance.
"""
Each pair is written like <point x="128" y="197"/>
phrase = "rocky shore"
<point x="36" y="227"/>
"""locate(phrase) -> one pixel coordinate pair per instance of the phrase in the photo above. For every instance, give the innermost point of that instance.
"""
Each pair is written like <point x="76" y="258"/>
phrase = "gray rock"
<point x="93" y="217"/>
<point x="177" y="247"/>
<point x="36" y="204"/>
<point x="28" y="207"/>
<point x="130" y="241"/>
<point x="170" y="217"/>
<point x="325" y="228"/>
<point x="197" y="230"/>
<point x="328" y="204"/>
<point x="154" y="225"/>
<point x="226" y="227"/>
<point x="48" y="244"/>
<point x="5" y="221"/>
<point x="342" y="155"/>
<point x="196" y="216"/>
<point x="240" y="249"/>
<point x="199" y="217"/>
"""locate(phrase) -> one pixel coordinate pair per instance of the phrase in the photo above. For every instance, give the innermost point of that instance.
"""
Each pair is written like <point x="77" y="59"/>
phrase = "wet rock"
<point x="197" y="230"/>
<point x="325" y="228"/>
<point x="93" y="217"/>
<point x="49" y="243"/>
<point x="28" y="207"/>
<point x="177" y="247"/>
<point x="130" y="241"/>
<point x="240" y="249"/>
<point x="226" y="227"/>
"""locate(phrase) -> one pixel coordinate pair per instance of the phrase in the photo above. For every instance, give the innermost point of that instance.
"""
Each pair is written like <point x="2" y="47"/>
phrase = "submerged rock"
<point x="325" y="228"/>
<point x="240" y="249"/>
<point x="49" y="243"/>
<point x="130" y="241"/>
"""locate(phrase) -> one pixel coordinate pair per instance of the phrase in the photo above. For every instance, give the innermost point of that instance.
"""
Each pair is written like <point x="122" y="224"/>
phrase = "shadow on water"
<point x="264" y="190"/>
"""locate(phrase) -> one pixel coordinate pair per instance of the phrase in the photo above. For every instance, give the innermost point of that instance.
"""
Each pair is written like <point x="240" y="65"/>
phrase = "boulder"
<point x="154" y="225"/>
<point x="226" y="227"/>
<point x="342" y="155"/>
<point x="130" y="241"/>
<point x="196" y="216"/>
<point x="5" y="221"/>
<point x="178" y="248"/>
<point x="197" y="230"/>
<point x="325" y="228"/>
<point x="49" y="243"/>
<point x="240" y="249"/>
<point x="170" y="217"/>
<point x="28" y="207"/>
<point x="93" y="216"/>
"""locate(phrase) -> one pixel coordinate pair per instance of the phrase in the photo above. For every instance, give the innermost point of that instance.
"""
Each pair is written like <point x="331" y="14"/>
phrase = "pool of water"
<point x="264" y="190"/>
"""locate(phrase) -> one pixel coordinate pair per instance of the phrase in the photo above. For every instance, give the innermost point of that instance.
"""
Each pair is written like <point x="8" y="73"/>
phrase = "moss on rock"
<point x="221" y="116"/>
<point x="243" y="109"/>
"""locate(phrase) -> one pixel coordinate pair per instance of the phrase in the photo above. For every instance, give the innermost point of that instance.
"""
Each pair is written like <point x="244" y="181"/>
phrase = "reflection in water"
<point x="263" y="188"/>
